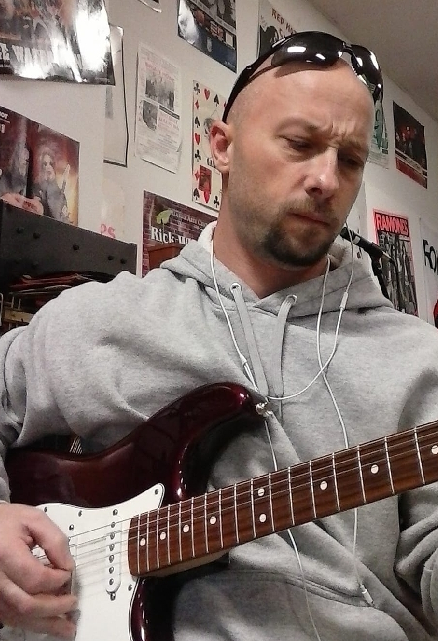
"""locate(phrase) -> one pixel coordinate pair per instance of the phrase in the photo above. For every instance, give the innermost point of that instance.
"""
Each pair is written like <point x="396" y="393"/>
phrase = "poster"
<point x="393" y="236"/>
<point x="158" y="132"/>
<point x="430" y="268"/>
<point x="56" y="39"/>
<point x="379" y="143"/>
<point x="116" y="136"/>
<point x="210" y="26"/>
<point x="166" y="221"/>
<point x="39" y="168"/>
<point x="208" y="106"/>
<point x="410" y="149"/>
<point x="272" y="26"/>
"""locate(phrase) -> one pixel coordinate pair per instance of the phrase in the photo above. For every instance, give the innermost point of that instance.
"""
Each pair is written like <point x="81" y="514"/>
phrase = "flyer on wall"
<point x="210" y="26"/>
<point x="167" y="221"/>
<point x="272" y="26"/>
<point x="379" y="143"/>
<point x="430" y="267"/>
<point x="410" y="148"/>
<point x="58" y="40"/>
<point x="393" y="236"/>
<point x="208" y="106"/>
<point x="39" y="168"/>
<point x="116" y="135"/>
<point x="158" y="132"/>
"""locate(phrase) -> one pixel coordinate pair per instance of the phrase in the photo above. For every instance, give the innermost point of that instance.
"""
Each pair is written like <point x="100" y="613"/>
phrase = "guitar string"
<point x="161" y="515"/>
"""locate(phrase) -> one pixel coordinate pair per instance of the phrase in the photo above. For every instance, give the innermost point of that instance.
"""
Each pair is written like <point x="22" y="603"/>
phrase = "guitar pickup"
<point x="113" y="561"/>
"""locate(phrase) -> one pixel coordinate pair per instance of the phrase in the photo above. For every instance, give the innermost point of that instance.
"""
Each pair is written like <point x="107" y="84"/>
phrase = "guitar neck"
<point x="228" y="517"/>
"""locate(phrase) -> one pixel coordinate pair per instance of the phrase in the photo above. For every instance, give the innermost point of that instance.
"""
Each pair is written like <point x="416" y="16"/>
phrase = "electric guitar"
<point x="138" y="510"/>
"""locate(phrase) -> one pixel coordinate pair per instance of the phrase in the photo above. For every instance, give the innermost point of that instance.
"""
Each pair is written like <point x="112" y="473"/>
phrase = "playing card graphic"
<point x="208" y="106"/>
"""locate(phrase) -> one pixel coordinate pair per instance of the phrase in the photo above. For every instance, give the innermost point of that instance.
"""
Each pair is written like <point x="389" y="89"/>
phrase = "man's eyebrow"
<point x="352" y="142"/>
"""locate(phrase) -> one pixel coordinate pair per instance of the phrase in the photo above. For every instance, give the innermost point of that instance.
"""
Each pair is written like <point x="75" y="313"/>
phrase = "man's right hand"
<point x="33" y="595"/>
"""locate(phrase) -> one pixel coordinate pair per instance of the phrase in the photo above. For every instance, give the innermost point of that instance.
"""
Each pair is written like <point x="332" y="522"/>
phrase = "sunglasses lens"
<point x="368" y="67"/>
<point x="309" y="46"/>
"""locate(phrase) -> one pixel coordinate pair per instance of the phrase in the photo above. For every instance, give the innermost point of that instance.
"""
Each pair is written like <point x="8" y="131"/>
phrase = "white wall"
<point x="78" y="111"/>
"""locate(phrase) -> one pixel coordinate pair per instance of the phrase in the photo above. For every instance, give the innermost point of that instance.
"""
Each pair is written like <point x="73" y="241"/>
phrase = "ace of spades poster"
<point x="208" y="106"/>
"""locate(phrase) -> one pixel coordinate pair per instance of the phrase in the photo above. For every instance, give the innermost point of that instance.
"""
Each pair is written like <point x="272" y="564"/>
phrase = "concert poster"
<point x="167" y="221"/>
<point x="39" y="168"/>
<point x="393" y="236"/>
<point x="430" y="267"/>
<point x="272" y="26"/>
<point x="410" y="148"/>
<point x="210" y="26"/>
<point x="65" y="40"/>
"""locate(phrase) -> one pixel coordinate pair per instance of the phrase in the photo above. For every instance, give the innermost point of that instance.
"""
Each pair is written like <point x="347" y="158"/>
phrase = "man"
<point x="258" y="301"/>
<point x="47" y="190"/>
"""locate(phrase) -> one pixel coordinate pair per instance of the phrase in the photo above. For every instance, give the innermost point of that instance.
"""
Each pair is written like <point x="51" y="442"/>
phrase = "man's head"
<point x="47" y="165"/>
<point x="291" y="155"/>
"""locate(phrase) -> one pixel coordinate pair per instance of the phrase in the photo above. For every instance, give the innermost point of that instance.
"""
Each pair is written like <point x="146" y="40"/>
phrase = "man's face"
<point x="48" y="168"/>
<point x="296" y="160"/>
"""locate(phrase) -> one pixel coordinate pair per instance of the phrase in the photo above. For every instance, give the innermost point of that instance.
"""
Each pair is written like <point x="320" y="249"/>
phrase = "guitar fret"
<point x="270" y="502"/>
<point x="138" y="545"/>
<point x="207" y="548"/>
<point x="191" y="527"/>
<point x="335" y="480"/>
<point x="180" y="532"/>
<point x="169" y="560"/>
<point x="252" y="509"/>
<point x="359" y="464"/>
<point x="157" y="539"/>
<point x="147" y="542"/>
<point x="420" y="462"/>
<point x="236" y="515"/>
<point x="312" y="490"/>
<point x="291" y="502"/>
<point x="221" y="532"/>
<point x="388" y="463"/>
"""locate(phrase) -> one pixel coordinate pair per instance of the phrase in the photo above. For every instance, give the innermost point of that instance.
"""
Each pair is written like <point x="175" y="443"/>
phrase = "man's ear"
<point x="220" y="140"/>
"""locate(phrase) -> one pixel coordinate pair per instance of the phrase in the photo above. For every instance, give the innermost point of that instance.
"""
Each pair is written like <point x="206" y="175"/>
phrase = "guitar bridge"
<point x="113" y="561"/>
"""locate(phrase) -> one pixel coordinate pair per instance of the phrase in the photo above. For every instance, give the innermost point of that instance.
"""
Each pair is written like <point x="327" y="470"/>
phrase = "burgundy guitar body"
<point x="176" y="447"/>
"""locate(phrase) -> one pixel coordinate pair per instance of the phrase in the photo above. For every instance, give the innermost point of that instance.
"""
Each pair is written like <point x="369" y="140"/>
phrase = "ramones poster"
<point x="393" y="236"/>
<point x="56" y="40"/>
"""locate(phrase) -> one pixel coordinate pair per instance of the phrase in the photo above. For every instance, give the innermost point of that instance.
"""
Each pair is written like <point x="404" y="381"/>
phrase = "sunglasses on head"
<point x="318" y="48"/>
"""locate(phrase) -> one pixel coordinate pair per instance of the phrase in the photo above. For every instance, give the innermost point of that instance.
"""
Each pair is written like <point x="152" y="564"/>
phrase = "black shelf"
<point x="37" y="245"/>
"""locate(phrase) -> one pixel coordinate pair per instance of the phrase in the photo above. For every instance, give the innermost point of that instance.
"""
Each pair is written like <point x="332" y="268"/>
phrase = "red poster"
<point x="393" y="236"/>
<point x="39" y="168"/>
<point x="168" y="222"/>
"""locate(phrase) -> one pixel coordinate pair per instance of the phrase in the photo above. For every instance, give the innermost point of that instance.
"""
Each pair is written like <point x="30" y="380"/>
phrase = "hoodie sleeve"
<point x="62" y="373"/>
<point x="417" y="554"/>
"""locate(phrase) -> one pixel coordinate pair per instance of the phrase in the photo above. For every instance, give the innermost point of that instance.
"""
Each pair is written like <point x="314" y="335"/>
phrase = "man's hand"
<point x="33" y="595"/>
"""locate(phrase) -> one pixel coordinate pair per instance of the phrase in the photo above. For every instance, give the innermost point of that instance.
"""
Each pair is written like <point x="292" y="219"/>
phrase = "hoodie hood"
<point x="366" y="294"/>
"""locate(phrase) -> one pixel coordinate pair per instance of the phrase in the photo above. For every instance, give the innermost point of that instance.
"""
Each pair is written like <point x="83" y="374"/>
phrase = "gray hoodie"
<point x="101" y="358"/>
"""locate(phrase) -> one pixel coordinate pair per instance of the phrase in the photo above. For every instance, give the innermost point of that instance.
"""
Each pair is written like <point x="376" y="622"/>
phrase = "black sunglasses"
<point x="320" y="49"/>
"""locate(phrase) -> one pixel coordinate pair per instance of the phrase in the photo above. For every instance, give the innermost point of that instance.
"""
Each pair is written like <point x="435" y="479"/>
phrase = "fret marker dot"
<point x="261" y="491"/>
<point x="323" y="485"/>
<point x="435" y="449"/>
<point x="262" y="518"/>
<point x="213" y="520"/>
<point x="186" y="528"/>
<point x="162" y="536"/>
<point x="374" y="469"/>
<point x="142" y="542"/>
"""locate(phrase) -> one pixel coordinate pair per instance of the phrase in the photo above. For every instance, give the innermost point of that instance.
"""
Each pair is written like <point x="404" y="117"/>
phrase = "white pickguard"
<point x="102" y="580"/>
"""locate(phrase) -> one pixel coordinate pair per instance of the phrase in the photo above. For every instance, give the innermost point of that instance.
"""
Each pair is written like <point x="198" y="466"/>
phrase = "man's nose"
<point x="322" y="180"/>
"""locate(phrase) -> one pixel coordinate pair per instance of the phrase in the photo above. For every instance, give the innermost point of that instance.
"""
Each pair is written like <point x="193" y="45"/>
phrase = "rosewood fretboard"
<point x="225" y="518"/>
